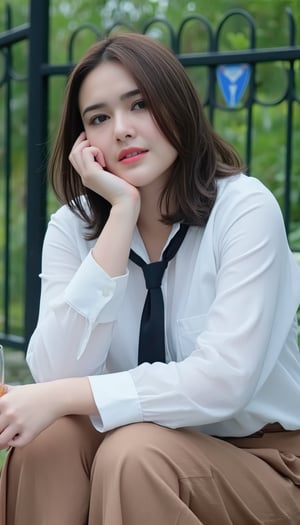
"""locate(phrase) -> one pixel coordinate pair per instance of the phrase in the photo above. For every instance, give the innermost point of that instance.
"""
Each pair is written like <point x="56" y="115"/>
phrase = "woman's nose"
<point x="123" y="127"/>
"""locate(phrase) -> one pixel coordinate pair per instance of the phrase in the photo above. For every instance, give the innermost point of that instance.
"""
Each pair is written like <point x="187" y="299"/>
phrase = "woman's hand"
<point x="25" y="411"/>
<point x="89" y="162"/>
<point x="112" y="247"/>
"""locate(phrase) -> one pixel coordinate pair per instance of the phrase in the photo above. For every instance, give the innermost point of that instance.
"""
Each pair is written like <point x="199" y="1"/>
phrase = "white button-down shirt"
<point x="231" y="294"/>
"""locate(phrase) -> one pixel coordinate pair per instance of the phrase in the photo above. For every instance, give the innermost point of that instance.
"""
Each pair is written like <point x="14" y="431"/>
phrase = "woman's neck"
<point x="152" y="230"/>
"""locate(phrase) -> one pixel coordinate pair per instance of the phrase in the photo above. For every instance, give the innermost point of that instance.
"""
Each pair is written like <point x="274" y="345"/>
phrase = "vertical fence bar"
<point x="36" y="155"/>
<point x="289" y="126"/>
<point x="251" y="98"/>
<point x="7" y="171"/>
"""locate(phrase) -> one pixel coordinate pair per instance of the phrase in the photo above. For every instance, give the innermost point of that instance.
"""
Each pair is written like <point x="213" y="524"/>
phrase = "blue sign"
<point x="233" y="80"/>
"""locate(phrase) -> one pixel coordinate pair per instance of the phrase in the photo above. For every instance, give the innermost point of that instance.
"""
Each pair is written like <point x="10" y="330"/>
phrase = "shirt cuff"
<point x="94" y="294"/>
<point x="117" y="401"/>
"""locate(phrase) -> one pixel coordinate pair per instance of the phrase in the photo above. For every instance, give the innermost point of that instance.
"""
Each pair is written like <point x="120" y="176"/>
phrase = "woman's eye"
<point x="99" y="119"/>
<point x="140" y="104"/>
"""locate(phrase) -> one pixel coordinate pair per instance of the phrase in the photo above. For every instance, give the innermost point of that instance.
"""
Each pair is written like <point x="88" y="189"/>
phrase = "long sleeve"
<point x="78" y="308"/>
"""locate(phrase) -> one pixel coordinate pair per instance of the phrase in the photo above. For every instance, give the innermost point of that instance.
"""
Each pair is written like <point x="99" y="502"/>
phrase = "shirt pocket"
<point x="188" y="329"/>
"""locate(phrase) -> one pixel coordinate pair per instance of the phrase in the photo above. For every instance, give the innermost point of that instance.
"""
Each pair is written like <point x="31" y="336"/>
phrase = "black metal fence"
<point x="231" y="85"/>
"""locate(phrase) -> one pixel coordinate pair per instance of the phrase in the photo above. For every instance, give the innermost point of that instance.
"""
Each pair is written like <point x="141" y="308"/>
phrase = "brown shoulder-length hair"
<point x="174" y="104"/>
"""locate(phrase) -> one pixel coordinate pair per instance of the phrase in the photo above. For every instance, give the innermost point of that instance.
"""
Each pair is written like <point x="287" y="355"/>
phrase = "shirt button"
<point x="105" y="292"/>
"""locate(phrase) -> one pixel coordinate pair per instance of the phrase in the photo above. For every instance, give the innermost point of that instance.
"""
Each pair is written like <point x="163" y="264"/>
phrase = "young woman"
<point x="183" y="410"/>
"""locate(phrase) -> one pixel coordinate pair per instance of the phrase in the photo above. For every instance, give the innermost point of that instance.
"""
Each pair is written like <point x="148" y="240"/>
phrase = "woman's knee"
<point x="136" y="439"/>
<point x="67" y="439"/>
<point x="135" y="449"/>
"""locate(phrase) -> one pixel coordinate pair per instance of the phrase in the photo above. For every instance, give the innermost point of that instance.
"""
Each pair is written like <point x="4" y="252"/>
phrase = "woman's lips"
<point x="130" y="155"/>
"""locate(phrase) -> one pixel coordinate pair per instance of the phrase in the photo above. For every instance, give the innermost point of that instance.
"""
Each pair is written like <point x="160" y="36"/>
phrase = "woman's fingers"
<point x="100" y="158"/>
<point x="8" y="436"/>
<point x="79" y="139"/>
<point x="89" y="162"/>
<point x="86" y="158"/>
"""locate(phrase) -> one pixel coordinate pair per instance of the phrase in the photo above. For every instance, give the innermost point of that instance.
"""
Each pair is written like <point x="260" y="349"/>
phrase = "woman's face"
<point x="117" y="121"/>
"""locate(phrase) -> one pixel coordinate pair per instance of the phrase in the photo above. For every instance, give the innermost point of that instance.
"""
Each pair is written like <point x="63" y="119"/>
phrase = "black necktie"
<point x="152" y="328"/>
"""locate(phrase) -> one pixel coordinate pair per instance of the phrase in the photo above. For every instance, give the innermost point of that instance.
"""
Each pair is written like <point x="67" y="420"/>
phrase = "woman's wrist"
<point x="111" y="249"/>
<point x="128" y="209"/>
<point x="72" y="396"/>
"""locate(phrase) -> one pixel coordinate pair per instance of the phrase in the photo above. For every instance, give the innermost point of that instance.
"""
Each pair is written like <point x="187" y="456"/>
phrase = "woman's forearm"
<point x="27" y="410"/>
<point x="112" y="247"/>
<point x="72" y="396"/>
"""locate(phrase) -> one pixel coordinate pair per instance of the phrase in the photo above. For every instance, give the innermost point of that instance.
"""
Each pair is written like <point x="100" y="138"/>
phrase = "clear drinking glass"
<point x="2" y="387"/>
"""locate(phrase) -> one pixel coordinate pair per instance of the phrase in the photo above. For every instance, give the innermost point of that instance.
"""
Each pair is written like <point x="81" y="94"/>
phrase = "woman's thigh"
<point x="48" y="481"/>
<point x="218" y="481"/>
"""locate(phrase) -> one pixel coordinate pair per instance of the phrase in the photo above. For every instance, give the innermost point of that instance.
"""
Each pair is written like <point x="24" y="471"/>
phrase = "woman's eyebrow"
<point x="101" y="105"/>
<point x="130" y="94"/>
